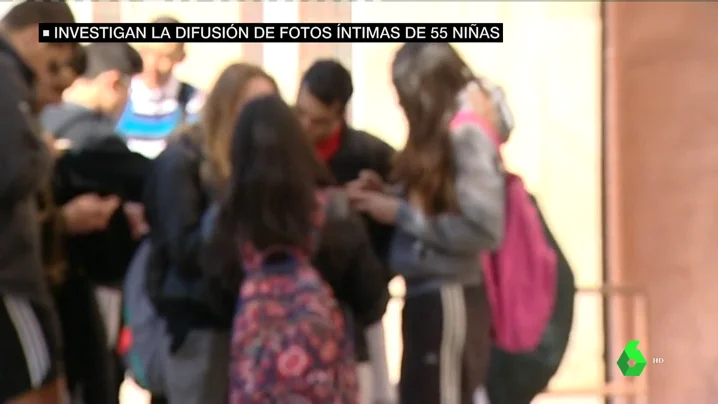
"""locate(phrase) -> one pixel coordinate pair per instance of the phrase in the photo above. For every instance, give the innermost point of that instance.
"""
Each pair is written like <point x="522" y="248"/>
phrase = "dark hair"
<point x="165" y="19"/>
<point x="31" y="12"/>
<point x="104" y="57"/>
<point x="428" y="78"/>
<point x="275" y="173"/>
<point x="329" y="82"/>
<point x="270" y="197"/>
<point x="78" y="63"/>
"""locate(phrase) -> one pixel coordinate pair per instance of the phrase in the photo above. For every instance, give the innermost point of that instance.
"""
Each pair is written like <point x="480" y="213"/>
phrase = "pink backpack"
<point x="520" y="277"/>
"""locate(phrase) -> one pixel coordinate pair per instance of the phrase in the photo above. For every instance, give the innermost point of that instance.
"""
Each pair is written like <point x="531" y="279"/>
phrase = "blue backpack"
<point x="143" y="336"/>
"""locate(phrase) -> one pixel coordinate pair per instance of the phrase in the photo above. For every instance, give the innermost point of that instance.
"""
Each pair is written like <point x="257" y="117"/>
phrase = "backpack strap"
<point x="333" y="202"/>
<point x="184" y="96"/>
<point x="253" y="259"/>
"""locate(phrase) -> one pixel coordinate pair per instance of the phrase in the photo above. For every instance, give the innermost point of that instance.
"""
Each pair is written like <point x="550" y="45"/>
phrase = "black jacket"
<point x="98" y="162"/>
<point x="106" y="167"/>
<point x="346" y="259"/>
<point x="88" y="363"/>
<point x="24" y="168"/>
<point x="359" y="151"/>
<point x="175" y="200"/>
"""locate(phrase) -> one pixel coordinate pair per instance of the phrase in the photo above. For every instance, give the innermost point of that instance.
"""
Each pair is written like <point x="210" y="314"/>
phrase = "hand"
<point x="475" y="98"/>
<point x="50" y="143"/>
<point x="62" y="145"/>
<point x="135" y="213"/>
<point x="381" y="207"/>
<point x="368" y="180"/>
<point x="57" y="147"/>
<point x="89" y="213"/>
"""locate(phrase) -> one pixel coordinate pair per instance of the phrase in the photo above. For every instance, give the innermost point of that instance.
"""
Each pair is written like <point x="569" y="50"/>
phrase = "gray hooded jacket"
<point x="77" y="124"/>
<point x="430" y="251"/>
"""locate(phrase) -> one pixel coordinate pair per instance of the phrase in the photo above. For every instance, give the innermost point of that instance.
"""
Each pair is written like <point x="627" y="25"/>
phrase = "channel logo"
<point x="632" y="362"/>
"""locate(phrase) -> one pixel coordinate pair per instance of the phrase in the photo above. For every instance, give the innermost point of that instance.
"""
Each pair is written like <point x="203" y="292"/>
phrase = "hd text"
<point x="478" y="32"/>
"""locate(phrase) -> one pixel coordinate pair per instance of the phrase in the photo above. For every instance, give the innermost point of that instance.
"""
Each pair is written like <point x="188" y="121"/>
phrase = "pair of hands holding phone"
<point x="89" y="213"/>
<point x="368" y="192"/>
<point x="368" y="195"/>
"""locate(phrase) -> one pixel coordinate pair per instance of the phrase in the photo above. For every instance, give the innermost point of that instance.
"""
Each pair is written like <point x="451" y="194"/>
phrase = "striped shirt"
<point x="152" y="114"/>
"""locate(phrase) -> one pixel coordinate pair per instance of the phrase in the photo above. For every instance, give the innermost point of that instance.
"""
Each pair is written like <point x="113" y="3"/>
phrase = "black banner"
<point x="304" y="32"/>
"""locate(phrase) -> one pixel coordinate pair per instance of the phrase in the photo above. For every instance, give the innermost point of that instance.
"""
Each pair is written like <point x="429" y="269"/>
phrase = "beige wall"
<point x="662" y="91"/>
<point x="549" y="64"/>
<point x="205" y="60"/>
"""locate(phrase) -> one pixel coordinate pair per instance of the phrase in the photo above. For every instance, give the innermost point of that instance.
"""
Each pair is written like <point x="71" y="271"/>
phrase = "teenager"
<point x="324" y="94"/>
<point x="96" y="160"/>
<point x="270" y="201"/>
<point x="66" y="75"/>
<point x="31" y="365"/>
<point x="159" y="102"/>
<point x="97" y="98"/>
<point x="448" y="208"/>
<point x="185" y="180"/>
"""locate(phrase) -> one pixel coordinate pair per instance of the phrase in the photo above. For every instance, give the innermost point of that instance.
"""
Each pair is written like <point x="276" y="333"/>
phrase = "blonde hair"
<point x="218" y="117"/>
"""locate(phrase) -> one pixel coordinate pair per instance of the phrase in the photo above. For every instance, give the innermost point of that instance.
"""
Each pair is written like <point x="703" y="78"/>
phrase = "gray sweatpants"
<point x="197" y="372"/>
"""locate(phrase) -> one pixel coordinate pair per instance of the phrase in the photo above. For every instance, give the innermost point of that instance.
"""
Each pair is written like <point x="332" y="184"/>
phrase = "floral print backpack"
<point x="289" y="339"/>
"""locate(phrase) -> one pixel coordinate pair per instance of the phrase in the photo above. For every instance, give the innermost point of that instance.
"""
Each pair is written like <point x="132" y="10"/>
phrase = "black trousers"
<point x="29" y="346"/>
<point x="446" y="345"/>
<point x="88" y="363"/>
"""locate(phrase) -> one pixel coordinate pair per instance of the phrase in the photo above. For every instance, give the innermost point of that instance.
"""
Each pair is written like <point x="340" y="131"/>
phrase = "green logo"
<point x="631" y="353"/>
